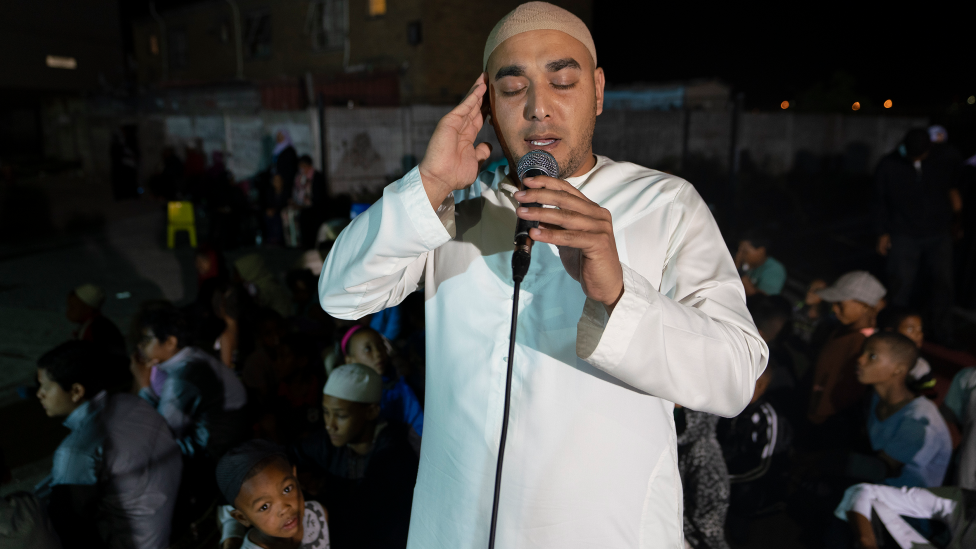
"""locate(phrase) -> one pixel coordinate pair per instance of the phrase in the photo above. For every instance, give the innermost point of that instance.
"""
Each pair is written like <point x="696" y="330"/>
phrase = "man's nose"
<point x="538" y="103"/>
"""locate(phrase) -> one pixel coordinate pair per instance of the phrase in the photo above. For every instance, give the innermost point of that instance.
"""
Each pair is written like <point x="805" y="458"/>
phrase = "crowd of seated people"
<point x="232" y="385"/>
<point x="248" y="417"/>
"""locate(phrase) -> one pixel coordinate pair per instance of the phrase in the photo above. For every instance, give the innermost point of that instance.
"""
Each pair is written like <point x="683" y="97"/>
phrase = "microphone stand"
<point x="520" y="266"/>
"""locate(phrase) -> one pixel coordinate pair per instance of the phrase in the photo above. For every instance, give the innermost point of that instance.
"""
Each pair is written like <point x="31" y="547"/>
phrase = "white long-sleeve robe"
<point x="591" y="458"/>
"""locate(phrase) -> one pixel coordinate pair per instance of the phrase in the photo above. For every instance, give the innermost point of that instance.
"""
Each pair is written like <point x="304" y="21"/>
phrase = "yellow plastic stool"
<point x="181" y="219"/>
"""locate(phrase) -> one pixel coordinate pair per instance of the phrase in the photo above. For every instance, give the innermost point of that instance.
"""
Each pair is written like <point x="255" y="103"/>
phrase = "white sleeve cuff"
<point x="601" y="339"/>
<point x="858" y="498"/>
<point x="435" y="228"/>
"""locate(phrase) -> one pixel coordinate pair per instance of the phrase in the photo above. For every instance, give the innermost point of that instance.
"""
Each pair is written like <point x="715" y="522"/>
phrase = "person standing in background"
<point x="913" y="208"/>
<point x="308" y="197"/>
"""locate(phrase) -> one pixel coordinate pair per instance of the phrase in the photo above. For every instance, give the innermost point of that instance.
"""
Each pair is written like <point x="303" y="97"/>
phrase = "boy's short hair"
<point x="902" y="349"/>
<point x="245" y="462"/>
<point x="890" y="318"/>
<point x="757" y="238"/>
<point x="766" y="310"/>
<point x="83" y="362"/>
<point x="164" y="320"/>
<point x="305" y="159"/>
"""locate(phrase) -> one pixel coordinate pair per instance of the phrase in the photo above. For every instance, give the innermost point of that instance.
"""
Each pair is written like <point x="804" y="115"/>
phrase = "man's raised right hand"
<point x="452" y="160"/>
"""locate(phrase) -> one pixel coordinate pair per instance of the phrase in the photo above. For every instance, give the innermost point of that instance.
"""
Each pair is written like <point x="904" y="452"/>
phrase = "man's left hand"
<point x="582" y="230"/>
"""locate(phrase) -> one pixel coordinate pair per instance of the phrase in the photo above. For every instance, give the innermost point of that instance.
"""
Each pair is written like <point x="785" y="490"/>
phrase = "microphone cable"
<point x="534" y="163"/>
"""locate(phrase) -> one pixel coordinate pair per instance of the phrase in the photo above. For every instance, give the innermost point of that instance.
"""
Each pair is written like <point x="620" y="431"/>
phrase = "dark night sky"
<point x="922" y="59"/>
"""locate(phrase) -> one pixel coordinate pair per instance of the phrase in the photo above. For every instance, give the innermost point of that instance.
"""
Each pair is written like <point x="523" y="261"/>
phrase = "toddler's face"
<point x="367" y="347"/>
<point x="272" y="502"/>
<point x="911" y="327"/>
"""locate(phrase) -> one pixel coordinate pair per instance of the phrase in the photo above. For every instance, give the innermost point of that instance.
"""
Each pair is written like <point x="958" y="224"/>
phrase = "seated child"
<point x="364" y="345"/>
<point x="85" y="310"/>
<point x="960" y="406"/>
<point x="262" y="485"/>
<point x="856" y="298"/>
<point x="704" y="479"/>
<point x="956" y="507"/>
<point x="755" y="447"/>
<point x="761" y="274"/>
<point x="909" y="324"/>
<point x="296" y="402"/>
<point x="201" y="399"/>
<point x="115" y="476"/>
<point x="365" y="467"/>
<point x="907" y="431"/>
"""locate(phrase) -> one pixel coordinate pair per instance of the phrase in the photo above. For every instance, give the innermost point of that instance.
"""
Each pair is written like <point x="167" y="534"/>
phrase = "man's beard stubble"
<point x="579" y="154"/>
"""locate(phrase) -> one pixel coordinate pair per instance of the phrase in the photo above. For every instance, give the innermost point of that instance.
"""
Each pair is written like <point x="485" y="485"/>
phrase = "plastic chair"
<point x="181" y="219"/>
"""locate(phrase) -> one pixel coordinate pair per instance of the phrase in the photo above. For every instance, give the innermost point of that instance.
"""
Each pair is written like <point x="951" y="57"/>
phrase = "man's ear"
<point x="239" y="517"/>
<point x="372" y="412"/>
<point x="599" y="82"/>
<point x="77" y="392"/>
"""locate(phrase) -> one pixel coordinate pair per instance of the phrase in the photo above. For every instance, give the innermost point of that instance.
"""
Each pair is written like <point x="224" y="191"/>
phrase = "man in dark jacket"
<point x="912" y="214"/>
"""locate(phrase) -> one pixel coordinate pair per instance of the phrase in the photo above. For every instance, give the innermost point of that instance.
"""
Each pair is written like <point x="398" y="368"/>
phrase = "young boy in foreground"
<point x="907" y="431"/>
<point x="262" y="485"/>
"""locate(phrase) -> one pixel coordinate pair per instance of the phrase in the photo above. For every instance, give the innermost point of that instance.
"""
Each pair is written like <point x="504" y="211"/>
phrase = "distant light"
<point x="887" y="103"/>
<point x="58" y="62"/>
<point x="377" y="8"/>
<point x="784" y="105"/>
<point x="153" y="44"/>
<point x="855" y="106"/>
<point x="971" y="100"/>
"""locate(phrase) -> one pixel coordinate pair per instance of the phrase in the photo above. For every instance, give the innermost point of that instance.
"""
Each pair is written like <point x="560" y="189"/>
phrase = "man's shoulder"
<point x="630" y="191"/>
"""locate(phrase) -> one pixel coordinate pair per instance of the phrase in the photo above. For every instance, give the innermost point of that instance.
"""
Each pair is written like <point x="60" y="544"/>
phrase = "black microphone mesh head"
<point x="538" y="160"/>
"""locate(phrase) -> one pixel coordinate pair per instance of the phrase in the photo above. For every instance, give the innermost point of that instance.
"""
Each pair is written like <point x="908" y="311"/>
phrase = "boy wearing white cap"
<point x="856" y="298"/>
<point x="360" y="467"/>
<point x="85" y="309"/>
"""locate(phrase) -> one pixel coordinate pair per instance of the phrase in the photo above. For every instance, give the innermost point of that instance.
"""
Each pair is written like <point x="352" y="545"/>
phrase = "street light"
<point x="784" y="105"/>
<point x="971" y="100"/>
<point x="887" y="103"/>
<point x="855" y="106"/>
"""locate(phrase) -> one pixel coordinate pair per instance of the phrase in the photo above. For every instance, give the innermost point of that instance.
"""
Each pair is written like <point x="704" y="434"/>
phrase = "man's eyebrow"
<point x="510" y="70"/>
<point x="555" y="66"/>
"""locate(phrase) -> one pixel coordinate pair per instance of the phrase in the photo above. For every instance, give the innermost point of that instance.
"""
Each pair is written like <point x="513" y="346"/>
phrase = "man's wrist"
<point x="610" y="306"/>
<point x="437" y="191"/>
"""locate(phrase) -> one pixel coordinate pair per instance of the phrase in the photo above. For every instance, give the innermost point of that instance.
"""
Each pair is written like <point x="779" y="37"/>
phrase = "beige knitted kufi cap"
<point x="538" y="16"/>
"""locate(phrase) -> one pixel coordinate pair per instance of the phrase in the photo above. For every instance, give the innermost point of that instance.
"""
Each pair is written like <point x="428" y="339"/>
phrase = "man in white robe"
<point x="631" y="303"/>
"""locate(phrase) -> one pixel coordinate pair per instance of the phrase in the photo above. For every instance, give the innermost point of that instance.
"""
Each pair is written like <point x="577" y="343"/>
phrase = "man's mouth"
<point x="543" y="142"/>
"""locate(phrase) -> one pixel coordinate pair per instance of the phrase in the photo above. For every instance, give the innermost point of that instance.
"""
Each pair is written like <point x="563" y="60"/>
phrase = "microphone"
<point x="537" y="162"/>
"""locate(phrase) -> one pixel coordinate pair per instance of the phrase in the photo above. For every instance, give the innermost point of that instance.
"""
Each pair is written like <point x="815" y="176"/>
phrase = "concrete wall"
<point x="366" y="148"/>
<point x="774" y="143"/>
